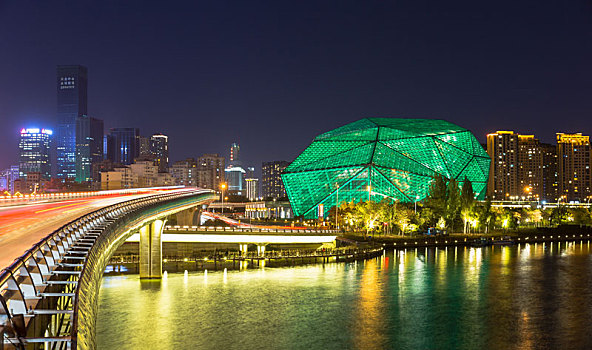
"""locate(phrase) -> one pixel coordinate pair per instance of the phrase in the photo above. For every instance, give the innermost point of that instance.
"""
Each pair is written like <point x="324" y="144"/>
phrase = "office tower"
<point x="89" y="146"/>
<point x="72" y="103"/>
<point x="252" y="191"/>
<point x="550" y="175"/>
<point x="34" y="153"/>
<point x="234" y="172"/>
<point x="271" y="180"/>
<point x="235" y="176"/>
<point x="185" y="172"/>
<point x="210" y="171"/>
<point x="145" y="151"/>
<point x="502" y="147"/>
<point x="124" y="145"/>
<point x="234" y="154"/>
<point x="530" y="172"/>
<point x="573" y="158"/>
<point x="159" y="147"/>
<point x="251" y="184"/>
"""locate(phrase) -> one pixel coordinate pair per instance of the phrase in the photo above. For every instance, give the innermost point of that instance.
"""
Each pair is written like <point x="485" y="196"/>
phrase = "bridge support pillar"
<point x="260" y="249"/>
<point x="187" y="217"/>
<point x="243" y="248"/>
<point x="151" y="249"/>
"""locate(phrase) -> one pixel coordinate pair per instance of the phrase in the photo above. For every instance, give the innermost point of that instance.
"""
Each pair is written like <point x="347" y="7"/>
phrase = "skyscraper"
<point x="252" y="191"/>
<point x="271" y="180"/>
<point x="210" y="171"/>
<point x="72" y="103"/>
<point x="34" y="153"/>
<point x="573" y="158"/>
<point x="234" y="154"/>
<point x="124" y="145"/>
<point x="251" y="184"/>
<point x="502" y="147"/>
<point x="89" y="146"/>
<point x="235" y="175"/>
<point x="159" y="147"/>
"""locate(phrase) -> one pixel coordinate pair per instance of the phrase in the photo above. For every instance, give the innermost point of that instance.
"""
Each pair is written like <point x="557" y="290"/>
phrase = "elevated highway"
<point x="48" y="295"/>
<point x="26" y="220"/>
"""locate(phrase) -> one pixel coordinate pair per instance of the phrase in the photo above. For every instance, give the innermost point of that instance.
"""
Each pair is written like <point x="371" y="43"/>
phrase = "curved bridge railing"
<point x="49" y="295"/>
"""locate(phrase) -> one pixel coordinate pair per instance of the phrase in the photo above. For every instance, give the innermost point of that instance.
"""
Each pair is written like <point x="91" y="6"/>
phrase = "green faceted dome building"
<point x="378" y="158"/>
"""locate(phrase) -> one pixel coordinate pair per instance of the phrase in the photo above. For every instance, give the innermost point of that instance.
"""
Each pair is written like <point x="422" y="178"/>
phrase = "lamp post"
<point x="416" y="199"/>
<point x="222" y="187"/>
<point x="337" y="208"/>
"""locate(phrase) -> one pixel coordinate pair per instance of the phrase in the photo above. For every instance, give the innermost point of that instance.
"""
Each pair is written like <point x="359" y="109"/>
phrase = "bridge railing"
<point x="24" y="281"/>
<point x="244" y="229"/>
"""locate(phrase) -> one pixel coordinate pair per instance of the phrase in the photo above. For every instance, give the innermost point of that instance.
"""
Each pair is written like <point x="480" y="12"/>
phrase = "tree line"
<point x="449" y="206"/>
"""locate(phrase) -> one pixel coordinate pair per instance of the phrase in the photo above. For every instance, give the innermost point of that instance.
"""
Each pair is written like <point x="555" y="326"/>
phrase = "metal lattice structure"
<point x="378" y="158"/>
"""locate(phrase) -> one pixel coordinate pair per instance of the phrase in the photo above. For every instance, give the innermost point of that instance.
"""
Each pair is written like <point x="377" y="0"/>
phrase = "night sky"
<point x="272" y="75"/>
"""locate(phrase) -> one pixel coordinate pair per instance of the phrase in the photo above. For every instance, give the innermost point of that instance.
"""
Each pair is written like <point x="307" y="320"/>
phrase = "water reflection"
<point x="530" y="296"/>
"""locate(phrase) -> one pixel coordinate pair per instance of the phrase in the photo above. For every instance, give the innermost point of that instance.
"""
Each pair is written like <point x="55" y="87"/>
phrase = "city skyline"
<point x="487" y="70"/>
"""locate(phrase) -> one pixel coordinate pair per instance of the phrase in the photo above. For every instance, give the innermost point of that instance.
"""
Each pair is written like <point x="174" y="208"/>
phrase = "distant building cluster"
<point x="523" y="168"/>
<point x="79" y="153"/>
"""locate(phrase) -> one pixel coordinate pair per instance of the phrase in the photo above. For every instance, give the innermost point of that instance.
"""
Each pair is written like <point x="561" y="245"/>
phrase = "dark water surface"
<point x="534" y="296"/>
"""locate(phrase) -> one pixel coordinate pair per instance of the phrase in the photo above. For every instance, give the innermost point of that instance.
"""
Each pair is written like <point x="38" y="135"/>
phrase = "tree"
<point x="369" y="214"/>
<point x="404" y="217"/>
<point x="436" y="198"/>
<point x="453" y="204"/>
<point x="467" y="201"/>
<point x="388" y="215"/>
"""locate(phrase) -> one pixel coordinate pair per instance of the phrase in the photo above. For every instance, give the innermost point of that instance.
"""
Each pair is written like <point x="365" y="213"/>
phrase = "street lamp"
<point x="222" y="187"/>
<point x="337" y="208"/>
<point x="416" y="199"/>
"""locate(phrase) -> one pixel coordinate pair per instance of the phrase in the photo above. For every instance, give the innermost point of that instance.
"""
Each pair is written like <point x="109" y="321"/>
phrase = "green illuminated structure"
<point x="377" y="158"/>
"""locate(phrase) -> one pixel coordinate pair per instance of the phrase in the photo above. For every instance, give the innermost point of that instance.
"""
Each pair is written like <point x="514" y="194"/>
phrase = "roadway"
<point x="23" y="225"/>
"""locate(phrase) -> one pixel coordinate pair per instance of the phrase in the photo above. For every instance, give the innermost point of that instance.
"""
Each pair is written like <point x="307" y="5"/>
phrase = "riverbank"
<point x="529" y="235"/>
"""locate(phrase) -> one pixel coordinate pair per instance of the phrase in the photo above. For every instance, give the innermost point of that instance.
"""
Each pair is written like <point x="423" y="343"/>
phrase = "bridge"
<point x="49" y="294"/>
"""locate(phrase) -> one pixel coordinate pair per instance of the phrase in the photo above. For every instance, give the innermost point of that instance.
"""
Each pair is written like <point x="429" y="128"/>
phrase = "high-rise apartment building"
<point x="502" y="147"/>
<point x="159" y="147"/>
<point x="550" y="172"/>
<point x="573" y="160"/>
<point x="89" y="146"/>
<point x="530" y="168"/>
<point x="145" y="151"/>
<point x="34" y="153"/>
<point x="185" y="172"/>
<point x="124" y="145"/>
<point x="210" y="171"/>
<point x="72" y="103"/>
<point x="271" y="180"/>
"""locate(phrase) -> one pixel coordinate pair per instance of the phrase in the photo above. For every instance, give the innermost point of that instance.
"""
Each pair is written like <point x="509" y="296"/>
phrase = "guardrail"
<point x="44" y="280"/>
<point x="243" y="229"/>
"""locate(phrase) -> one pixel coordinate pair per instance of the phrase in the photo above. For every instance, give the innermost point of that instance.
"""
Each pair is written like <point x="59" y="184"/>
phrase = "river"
<point x="532" y="296"/>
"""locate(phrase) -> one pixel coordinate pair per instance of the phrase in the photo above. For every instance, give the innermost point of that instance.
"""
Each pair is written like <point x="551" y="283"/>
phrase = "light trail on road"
<point x="23" y="225"/>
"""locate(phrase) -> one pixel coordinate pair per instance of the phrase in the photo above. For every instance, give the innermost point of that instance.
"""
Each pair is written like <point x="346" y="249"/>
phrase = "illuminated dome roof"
<point x="377" y="158"/>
